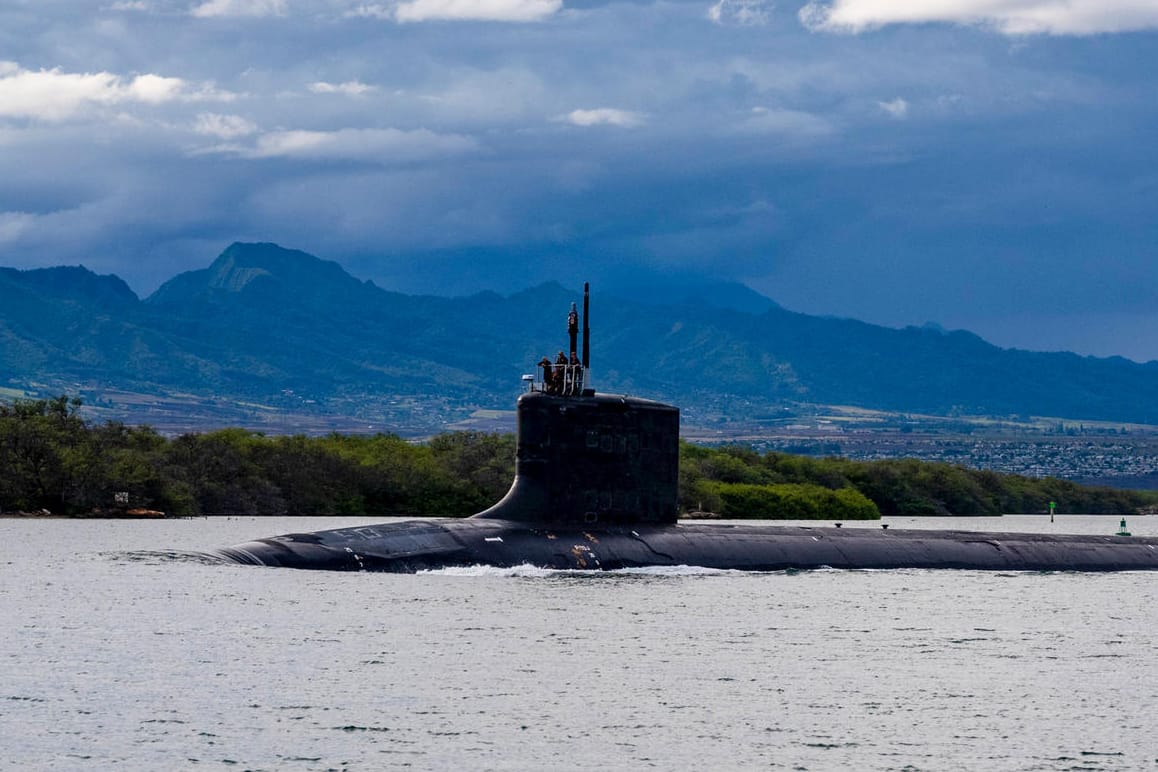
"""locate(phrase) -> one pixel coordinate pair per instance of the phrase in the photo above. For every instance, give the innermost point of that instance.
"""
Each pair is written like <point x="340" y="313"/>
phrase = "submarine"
<point x="596" y="488"/>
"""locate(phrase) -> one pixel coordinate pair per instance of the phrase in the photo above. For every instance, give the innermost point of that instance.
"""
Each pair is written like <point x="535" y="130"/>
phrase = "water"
<point x="119" y="650"/>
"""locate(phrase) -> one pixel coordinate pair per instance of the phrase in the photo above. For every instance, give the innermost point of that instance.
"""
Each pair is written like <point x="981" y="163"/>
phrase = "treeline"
<point x="725" y="480"/>
<point x="52" y="459"/>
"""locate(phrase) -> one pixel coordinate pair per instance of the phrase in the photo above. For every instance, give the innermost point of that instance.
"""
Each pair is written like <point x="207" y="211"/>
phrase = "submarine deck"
<point x="431" y="544"/>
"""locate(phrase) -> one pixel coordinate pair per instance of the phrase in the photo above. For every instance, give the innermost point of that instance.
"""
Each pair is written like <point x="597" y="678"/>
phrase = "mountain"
<point x="71" y="323"/>
<point x="281" y="330"/>
<point x="718" y="295"/>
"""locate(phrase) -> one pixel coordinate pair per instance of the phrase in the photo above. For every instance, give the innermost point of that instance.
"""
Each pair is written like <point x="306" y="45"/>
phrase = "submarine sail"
<point x="596" y="488"/>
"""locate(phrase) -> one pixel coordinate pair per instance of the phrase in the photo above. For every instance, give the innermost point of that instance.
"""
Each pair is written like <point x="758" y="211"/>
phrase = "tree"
<point x="34" y="436"/>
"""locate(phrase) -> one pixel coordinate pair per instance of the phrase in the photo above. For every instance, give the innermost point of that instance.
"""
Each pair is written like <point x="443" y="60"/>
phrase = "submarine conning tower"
<point x="583" y="458"/>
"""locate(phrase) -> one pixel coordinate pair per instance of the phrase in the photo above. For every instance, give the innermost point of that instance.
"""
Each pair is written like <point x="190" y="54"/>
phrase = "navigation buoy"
<point x="1122" y="528"/>
<point x="1052" y="507"/>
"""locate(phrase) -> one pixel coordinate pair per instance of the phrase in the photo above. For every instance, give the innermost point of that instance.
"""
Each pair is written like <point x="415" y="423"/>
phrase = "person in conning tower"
<point x="576" y="368"/>
<point x="548" y="375"/>
<point x="561" y="384"/>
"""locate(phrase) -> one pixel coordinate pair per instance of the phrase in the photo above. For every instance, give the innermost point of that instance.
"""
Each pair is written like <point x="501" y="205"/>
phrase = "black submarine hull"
<point x="418" y="545"/>
<point x="597" y="488"/>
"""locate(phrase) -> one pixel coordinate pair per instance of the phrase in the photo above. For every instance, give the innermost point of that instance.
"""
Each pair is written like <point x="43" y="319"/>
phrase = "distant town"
<point x="1095" y="453"/>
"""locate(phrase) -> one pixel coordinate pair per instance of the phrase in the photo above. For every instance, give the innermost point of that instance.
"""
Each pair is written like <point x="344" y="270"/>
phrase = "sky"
<point x="988" y="165"/>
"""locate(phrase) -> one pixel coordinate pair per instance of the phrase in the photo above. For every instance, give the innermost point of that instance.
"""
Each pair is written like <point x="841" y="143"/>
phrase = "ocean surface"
<point x="121" y="649"/>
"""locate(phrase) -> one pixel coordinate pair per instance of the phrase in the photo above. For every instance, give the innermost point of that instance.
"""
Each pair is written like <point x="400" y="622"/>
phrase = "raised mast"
<point x="586" y="329"/>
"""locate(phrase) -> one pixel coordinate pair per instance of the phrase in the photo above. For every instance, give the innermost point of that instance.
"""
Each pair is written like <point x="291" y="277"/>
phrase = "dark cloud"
<point x="910" y="173"/>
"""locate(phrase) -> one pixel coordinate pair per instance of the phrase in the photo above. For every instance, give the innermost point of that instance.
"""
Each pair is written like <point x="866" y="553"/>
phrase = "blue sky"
<point x="983" y="164"/>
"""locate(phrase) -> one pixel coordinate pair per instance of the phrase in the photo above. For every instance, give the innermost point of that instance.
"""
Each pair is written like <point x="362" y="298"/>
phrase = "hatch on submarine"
<point x="597" y="488"/>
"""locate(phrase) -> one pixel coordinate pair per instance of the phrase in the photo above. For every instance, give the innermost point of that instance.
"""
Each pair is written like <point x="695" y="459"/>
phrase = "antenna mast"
<point x="586" y="329"/>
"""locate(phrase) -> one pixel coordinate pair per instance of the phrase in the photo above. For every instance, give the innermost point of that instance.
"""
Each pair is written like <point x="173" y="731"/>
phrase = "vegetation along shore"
<point x="56" y="462"/>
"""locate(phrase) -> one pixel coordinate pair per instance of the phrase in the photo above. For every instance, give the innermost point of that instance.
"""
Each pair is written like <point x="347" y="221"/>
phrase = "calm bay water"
<point x="119" y="651"/>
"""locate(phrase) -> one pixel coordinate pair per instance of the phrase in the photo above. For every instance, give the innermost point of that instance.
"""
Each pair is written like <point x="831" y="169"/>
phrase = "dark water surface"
<point x="121" y="651"/>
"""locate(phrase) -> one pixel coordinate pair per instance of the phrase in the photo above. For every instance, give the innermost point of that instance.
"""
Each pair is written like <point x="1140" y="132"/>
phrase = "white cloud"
<point x="372" y="11"/>
<point x="53" y="95"/>
<point x="349" y="88"/>
<point x="212" y="8"/>
<point x="1012" y="17"/>
<point x="129" y="5"/>
<point x="224" y="126"/>
<point x="13" y="225"/>
<point x="789" y="123"/>
<point x="897" y="108"/>
<point x="376" y="145"/>
<point x="476" y="10"/>
<point x="154" y="89"/>
<point x="608" y="116"/>
<point x="490" y="98"/>
<point x="745" y="13"/>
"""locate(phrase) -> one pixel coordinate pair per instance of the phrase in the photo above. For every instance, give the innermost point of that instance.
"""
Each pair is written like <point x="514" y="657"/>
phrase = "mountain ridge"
<point x="281" y="327"/>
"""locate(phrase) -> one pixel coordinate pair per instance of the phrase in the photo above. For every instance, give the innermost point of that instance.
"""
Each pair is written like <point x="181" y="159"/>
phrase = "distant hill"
<point x="719" y="295"/>
<point x="284" y="330"/>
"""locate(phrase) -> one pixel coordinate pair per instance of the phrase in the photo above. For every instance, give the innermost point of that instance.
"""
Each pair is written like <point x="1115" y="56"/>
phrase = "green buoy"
<point x="1122" y="528"/>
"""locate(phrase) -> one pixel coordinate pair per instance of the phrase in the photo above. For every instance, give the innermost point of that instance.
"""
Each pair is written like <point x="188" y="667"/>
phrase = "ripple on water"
<point x="163" y="557"/>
